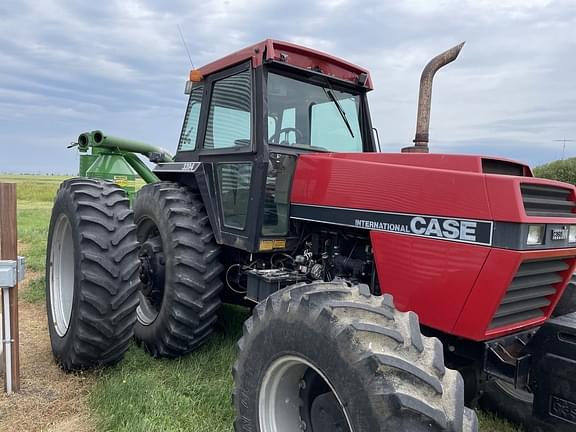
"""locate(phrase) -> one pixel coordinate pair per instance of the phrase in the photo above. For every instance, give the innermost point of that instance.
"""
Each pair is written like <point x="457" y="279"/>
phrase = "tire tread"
<point x="107" y="236"/>
<point x="406" y="367"/>
<point x="196" y="284"/>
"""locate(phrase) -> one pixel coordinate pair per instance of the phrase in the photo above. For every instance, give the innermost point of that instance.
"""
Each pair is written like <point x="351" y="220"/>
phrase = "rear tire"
<point x="369" y="365"/>
<point x="181" y="271"/>
<point x="91" y="274"/>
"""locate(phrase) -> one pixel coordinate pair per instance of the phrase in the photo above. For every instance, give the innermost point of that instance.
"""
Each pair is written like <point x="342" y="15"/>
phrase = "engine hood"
<point x="467" y="163"/>
<point x="463" y="186"/>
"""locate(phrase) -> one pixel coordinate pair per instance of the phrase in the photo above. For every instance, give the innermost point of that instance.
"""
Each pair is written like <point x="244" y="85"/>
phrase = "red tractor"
<point x="386" y="288"/>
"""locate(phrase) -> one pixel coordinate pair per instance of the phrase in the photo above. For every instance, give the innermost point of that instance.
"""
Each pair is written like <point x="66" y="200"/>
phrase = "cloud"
<point x="69" y="66"/>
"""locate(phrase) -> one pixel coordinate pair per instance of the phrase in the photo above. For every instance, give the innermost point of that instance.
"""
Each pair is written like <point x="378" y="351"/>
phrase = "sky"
<point x="119" y="65"/>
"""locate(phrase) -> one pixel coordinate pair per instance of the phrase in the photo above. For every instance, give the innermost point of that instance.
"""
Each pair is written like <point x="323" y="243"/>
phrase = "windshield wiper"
<point x="330" y="94"/>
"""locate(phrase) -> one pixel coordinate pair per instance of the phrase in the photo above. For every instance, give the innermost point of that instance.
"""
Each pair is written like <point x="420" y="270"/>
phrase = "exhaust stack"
<point x="425" y="98"/>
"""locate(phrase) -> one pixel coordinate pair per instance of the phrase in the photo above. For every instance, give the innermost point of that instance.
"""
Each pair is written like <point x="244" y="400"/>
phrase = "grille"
<point x="530" y="291"/>
<point x="549" y="201"/>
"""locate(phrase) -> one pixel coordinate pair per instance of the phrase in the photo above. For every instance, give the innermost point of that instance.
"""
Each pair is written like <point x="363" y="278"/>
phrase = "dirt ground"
<point x="49" y="400"/>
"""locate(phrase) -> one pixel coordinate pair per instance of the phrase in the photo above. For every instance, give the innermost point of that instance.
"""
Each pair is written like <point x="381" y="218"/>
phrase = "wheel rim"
<point x="515" y="393"/>
<point x="62" y="275"/>
<point x="152" y="272"/>
<point x="280" y="403"/>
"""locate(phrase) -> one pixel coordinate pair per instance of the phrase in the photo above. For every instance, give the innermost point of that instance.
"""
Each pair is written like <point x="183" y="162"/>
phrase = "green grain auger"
<point x="114" y="159"/>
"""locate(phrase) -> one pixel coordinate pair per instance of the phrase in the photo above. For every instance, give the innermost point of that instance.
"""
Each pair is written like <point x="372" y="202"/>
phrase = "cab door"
<point x="228" y="152"/>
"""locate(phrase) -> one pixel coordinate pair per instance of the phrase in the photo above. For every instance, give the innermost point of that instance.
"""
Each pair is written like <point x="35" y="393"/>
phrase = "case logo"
<point x="560" y="233"/>
<point x="451" y="229"/>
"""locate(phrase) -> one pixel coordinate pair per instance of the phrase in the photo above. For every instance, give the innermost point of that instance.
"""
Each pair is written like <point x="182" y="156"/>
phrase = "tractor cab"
<point x="249" y="116"/>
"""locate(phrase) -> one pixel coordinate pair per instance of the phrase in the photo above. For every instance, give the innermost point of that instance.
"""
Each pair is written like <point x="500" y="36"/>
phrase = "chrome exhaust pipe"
<point x="425" y="99"/>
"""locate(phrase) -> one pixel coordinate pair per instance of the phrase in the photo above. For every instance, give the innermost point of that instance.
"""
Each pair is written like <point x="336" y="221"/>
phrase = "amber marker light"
<point x="195" y="75"/>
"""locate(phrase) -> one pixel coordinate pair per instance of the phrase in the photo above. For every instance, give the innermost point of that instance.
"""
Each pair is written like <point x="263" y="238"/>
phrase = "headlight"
<point x="572" y="234"/>
<point x="536" y="234"/>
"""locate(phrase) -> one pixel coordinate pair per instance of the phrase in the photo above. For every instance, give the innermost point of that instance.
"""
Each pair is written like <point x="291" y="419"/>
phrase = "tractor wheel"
<point x="180" y="270"/>
<point x="505" y="400"/>
<point x="91" y="274"/>
<point x="325" y="357"/>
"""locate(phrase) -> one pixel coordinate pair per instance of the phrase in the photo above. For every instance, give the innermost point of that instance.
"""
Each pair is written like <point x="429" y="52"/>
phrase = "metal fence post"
<point x="9" y="251"/>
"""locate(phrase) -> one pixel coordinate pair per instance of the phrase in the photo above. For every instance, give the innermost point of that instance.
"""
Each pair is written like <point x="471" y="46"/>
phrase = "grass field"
<point x="143" y="394"/>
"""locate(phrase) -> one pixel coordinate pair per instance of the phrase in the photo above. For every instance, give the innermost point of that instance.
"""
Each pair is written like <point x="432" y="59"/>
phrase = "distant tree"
<point x="561" y="170"/>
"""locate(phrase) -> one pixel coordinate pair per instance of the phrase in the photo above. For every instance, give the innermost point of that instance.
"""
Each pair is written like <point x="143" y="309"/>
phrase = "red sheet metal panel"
<point x="499" y="270"/>
<point x="369" y="182"/>
<point x="292" y="54"/>
<point x="431" y="277"/>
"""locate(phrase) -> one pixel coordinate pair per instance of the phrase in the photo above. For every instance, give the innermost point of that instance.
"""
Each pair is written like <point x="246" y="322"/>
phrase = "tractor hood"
<point x="449" y="231"/>
<point x="467" y="163"/>
<point x="475" y="187"/>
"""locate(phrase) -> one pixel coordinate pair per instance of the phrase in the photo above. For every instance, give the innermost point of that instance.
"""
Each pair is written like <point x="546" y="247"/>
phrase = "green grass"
<point x="141" y="393"/>
<point x="187" y="394"/>
<point x="33" y="189"/>
<point x="491" y="423"/>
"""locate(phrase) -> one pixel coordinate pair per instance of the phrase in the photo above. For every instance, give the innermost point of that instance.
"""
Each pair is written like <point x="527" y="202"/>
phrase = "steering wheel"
<point x="287" y="130"/>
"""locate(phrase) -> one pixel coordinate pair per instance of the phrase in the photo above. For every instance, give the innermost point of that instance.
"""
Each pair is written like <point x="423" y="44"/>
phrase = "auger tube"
<point x="150" y="151"/>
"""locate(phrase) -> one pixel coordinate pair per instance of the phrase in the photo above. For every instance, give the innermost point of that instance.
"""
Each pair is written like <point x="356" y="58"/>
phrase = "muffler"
<point x="425" y="99"/>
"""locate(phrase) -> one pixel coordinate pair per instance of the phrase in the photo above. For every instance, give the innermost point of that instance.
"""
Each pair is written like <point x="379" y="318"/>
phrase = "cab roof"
<point x="271" y="50"/>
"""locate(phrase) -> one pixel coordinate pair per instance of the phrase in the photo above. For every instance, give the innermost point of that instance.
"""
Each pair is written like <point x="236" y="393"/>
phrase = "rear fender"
<point x="198" y="176"/>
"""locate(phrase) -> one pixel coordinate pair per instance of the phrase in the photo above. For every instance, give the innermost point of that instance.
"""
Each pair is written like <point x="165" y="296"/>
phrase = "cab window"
<point x="229" y="118"/>
<point x="190" y="128"/>
<point x="313" y="116"/>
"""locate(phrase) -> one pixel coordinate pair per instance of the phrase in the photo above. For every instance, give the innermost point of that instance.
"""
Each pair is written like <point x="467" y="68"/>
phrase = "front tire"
<point x="505" y="400"/>
<point x="326" y="356"/>
<point x="91" y="274"/>
<point x="180" y="272"/>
